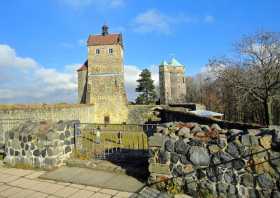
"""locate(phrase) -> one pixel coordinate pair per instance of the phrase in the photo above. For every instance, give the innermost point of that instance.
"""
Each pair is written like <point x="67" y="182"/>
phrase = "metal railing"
<point x="107" y="141"/>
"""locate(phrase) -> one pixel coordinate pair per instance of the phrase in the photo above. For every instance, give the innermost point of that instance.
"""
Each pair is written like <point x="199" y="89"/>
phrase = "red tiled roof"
<point x="104" y="39"/>
<point x="83" y="67"/>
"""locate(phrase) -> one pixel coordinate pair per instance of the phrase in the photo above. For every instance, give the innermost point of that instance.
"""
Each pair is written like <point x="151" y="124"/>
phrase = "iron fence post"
<point x="75" y="146"/>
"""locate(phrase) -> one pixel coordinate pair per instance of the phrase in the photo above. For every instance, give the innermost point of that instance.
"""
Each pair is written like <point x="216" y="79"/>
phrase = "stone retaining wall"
<point x="13" y="115"/>
<point x="42" y="144"/>
<point x="208" y="161"/>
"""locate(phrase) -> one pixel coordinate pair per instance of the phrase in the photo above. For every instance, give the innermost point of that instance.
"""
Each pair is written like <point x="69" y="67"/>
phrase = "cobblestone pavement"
<point x="19" y="183"/>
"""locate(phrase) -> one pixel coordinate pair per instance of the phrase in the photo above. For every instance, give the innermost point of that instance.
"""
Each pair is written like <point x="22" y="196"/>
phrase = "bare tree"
<point x="256" y="71"/>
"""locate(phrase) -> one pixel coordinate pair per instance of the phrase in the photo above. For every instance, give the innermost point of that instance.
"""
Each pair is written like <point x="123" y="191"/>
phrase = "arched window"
<point x="111" y="51"/>
<point x="97" y="51"/>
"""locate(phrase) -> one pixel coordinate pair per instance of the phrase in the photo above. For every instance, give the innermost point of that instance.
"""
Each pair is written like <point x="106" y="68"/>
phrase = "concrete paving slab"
<point x="66" y="191"/>
<point x="10" y="191"/>
<point x="4" y="187"/>
<point x="79" y="186"/>
<point x="82" y="194"/>
<point x="60" y="183"/>
<point x="92" y="178"/>
<point x="100" y="195"/>
<point x="93" y="189"/>
<point x="123" y="195"/>
<point x="62" y="174"/>
<point x="19" y="172"/>
<point x="30" y="186"/>
<point x="95" y="178"/>
<point x="109" y="191"/>
<point x="49" y="188"/>
<point x="22" y="193"/>
<point x="38" y="195"/>
<point x="5" y="178"/>
<point x="19" y="182"/>
<point x="124" y="183"/>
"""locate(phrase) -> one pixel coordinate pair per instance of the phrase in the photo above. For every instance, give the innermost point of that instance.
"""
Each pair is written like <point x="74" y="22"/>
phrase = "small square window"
<point x="110" y="51"/>
<point x="106" y="119"/>
<point x="97" y="51"/>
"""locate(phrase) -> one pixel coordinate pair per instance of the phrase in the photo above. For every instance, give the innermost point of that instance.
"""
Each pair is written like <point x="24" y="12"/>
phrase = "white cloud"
<point x="155" y="21"/>
<point x="209" y="19"/>
<point x="24" y="80"/>
<point x="8" y="58"/>
<point x="96" y="3"/>
<point x="152" y="21"/>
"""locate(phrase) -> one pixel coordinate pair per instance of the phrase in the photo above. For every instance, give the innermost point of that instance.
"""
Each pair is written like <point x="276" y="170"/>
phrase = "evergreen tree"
<point x="146" y="88"/>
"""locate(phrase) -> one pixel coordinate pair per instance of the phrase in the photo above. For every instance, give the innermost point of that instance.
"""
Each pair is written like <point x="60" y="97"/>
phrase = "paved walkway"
<point x="97" y="178"/>
<point x="18" y="183"/>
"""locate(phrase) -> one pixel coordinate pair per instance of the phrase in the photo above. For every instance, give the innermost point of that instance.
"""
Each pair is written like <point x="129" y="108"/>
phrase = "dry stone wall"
<point x="42" y="144"/>
<point x="208" y="161"/>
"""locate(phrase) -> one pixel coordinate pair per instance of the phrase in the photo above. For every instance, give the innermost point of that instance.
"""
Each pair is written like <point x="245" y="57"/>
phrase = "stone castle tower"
<point x="101" y="78"/>
<point x="172" y="82"/>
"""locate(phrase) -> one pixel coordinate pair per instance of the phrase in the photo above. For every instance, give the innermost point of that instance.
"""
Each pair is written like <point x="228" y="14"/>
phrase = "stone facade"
<point x="42" y="144"/>
<point x="172" y="82"/>
<point x="101" y="79"/>
<point x="209" y="161"/>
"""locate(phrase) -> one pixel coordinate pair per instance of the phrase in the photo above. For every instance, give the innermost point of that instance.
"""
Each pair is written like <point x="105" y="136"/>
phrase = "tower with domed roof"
<point x="172" y="82"/>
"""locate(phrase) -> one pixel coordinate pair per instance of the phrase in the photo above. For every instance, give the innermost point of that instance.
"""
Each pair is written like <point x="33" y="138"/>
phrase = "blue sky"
<point x="45" y="40"/>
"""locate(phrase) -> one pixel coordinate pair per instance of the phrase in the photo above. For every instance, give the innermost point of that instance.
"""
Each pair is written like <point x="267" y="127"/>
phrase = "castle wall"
<point x="172" y="84"/>
<point x="10" y="115"/>
<point x="84" y="113"/>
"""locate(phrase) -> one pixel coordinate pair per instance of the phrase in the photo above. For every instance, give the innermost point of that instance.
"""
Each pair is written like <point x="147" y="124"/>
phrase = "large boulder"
<point x="232" y="149"/>
<point x="265" y="181"/>
<point x="185" y="132"/>
<point x="169" y="145"/>
<point x="181" y="147"/>
<point x="199" y="156"/>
